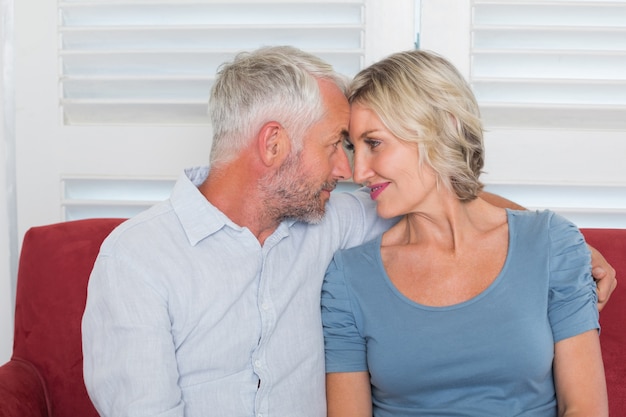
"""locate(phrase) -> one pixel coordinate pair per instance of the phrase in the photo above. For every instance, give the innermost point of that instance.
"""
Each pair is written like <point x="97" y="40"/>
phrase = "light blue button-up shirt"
<point x="188" y="315"/>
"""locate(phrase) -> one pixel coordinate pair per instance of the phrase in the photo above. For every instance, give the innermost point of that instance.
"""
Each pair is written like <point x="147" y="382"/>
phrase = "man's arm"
<point x="130" y="363"/>
<point x="602" y="271"/>
<point x="501" y="202"/>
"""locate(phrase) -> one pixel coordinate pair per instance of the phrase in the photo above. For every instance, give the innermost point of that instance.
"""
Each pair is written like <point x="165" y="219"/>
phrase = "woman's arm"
<point x="348" y="394"/>
<point x="579" y="376"/>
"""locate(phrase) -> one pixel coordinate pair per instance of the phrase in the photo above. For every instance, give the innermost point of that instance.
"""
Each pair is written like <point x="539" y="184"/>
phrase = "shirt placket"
<point x="267" y="313"/>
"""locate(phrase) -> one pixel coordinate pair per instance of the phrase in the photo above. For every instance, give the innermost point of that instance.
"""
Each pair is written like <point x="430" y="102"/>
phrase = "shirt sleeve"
<point x="344" y="346"/>
<point x="129" y="355"/>
<point x="357" y="220"/>
<point x="572" y="299"/>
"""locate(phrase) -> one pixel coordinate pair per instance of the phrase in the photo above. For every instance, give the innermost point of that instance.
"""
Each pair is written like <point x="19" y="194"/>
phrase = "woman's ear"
<point x="274" y="144"/>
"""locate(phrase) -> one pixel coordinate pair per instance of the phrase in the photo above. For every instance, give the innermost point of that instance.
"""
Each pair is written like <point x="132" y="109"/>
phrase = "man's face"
<point x="302" y="185"/>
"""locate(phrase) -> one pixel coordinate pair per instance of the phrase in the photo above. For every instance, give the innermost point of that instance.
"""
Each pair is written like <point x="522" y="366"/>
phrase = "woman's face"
<point x="388" y="166"/>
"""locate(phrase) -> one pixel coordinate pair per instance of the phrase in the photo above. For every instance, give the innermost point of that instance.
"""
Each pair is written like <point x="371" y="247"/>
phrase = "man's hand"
<point x="604" y="274"/>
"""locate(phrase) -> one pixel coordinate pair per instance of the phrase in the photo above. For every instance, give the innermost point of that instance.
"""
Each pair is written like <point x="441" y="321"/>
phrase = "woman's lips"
<point x="376" y="189"/>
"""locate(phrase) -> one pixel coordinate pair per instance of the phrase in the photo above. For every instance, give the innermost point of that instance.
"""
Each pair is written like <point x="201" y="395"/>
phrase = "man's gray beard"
<point x="290" y="196"/>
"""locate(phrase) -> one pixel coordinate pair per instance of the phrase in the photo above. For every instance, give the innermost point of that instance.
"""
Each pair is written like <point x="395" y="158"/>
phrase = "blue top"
<point x="187" y="312"/>
<point x="488" y="356"/>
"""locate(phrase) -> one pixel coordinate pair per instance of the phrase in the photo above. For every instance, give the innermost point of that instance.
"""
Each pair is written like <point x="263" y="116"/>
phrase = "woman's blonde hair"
<point x="422" y="98"/>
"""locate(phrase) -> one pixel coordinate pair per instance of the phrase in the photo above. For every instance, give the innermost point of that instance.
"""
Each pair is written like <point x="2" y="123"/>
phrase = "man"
<point x="208" y="304"/>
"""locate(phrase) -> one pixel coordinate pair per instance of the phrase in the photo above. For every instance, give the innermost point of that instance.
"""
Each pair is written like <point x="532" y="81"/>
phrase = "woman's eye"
<point x="372" y="143"/>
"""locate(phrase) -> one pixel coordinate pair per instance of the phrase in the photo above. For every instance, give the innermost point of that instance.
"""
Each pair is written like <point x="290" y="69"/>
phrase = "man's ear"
<point x="274" y="144"/>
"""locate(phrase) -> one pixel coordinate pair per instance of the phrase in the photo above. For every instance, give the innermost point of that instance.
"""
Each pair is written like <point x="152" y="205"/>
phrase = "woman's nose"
<point x="360" y="171"/>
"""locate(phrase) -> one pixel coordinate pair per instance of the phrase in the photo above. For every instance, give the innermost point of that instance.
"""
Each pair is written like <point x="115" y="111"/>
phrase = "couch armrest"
<point x="22" y="391"/>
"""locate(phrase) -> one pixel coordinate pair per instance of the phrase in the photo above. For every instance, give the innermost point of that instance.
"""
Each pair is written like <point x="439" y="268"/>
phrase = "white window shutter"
<point x="152" y="62"/>
<point x="550" y="64"/>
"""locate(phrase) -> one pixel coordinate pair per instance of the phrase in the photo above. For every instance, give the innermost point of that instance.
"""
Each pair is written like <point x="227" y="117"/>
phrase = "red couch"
<point x="612" y="244"/>
<point x="44" y="376"/>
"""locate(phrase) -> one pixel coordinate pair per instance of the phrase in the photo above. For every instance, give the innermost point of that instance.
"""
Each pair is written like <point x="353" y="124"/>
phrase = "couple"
<point x="209" y="303"/>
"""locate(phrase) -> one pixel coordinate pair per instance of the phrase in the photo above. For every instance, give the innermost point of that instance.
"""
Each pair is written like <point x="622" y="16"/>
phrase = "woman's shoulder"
<point x="544" y="219"/>
<point x="367" y="250"/>
<point x="546" y="228"/>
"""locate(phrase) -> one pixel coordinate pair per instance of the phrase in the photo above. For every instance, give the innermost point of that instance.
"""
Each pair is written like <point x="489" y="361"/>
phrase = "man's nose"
<point x="342" y="165"/>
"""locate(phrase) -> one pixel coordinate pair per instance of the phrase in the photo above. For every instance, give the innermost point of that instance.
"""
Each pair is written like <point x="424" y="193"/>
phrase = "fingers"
<point x="606" y="283"/>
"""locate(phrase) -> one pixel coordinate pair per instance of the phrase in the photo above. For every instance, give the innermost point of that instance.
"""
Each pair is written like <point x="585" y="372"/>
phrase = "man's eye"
<point x="348" y="146"/>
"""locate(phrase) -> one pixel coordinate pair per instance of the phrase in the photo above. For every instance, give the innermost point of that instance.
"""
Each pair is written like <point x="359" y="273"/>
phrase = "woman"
<point x="462" y="308"/>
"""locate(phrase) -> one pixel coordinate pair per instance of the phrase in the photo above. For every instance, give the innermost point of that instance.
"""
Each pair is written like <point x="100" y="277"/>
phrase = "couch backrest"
<point x="54" y="268"/>
<point x="612" y="244"/>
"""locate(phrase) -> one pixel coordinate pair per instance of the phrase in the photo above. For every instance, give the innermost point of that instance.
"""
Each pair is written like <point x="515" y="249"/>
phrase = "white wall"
<point x="6" y="291"/>
<point x="7" y="181"/>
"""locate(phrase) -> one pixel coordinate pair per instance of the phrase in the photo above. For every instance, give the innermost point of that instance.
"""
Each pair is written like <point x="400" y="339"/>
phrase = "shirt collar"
<point x="199" y="218"/>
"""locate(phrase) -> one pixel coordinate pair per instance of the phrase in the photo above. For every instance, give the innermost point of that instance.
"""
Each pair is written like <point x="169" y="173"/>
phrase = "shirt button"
<point x="257" y="363"/>
<point x="265" y="306"/>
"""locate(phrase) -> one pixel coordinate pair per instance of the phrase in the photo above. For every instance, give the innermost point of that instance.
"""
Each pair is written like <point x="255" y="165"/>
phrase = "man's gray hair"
<point x="276" y="83"/>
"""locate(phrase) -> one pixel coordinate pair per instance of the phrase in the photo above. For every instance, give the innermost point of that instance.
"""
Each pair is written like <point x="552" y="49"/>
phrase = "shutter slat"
<point x="544" y="116"/>
<point x="566" y="38"/>
<point x="550" y="64"/>
<point x="551" y="91"/>
<point x="202" y="38"/>
<point x="207" y="12"/>
<point x="118" y="113"/>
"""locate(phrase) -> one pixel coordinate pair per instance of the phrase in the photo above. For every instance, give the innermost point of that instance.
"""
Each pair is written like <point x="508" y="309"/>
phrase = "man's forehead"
<point x="331" y="91"/>
<point x="336" y="109"/>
